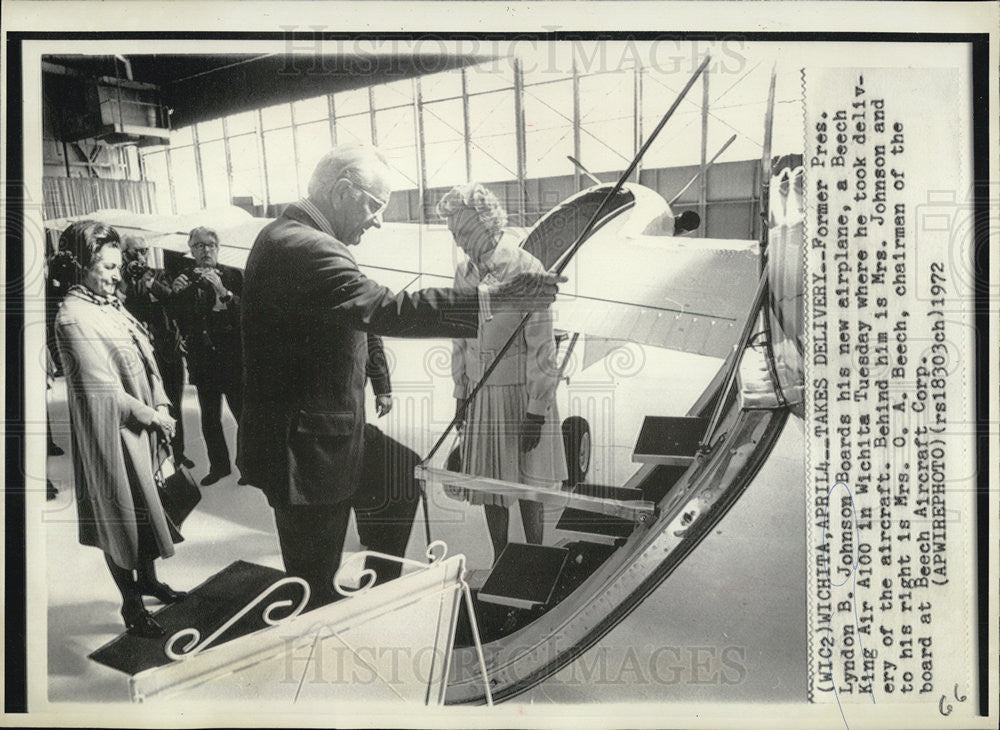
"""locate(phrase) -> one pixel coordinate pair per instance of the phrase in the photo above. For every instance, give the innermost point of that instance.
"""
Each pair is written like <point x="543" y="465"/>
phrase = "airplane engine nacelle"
<point x="633" y="211"/>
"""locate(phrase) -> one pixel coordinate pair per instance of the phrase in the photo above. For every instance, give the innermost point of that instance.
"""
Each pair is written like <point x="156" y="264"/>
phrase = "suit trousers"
<point x="210" y="402"/>
<point x="312" y="536"/>
<point x="172" y="372"/>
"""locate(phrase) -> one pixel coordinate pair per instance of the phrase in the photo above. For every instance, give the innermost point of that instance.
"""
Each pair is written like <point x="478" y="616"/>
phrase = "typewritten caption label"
<point x="889" y="407"/>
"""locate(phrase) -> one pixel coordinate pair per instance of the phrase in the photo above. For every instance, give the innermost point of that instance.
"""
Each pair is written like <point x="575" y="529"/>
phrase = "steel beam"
<point x="519" y="136"/>
<point x="467" y="133"/>
<point x="196" y="148"/>
<point x="418" y="121"/>
<point x="703" y="187"/>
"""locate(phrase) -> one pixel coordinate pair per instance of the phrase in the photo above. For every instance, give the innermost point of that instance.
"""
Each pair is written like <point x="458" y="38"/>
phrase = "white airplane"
<point x="631" y="280"/>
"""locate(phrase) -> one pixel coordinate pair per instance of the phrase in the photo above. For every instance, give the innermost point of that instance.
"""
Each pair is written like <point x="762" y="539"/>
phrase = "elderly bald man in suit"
<point x="305" y="316"/>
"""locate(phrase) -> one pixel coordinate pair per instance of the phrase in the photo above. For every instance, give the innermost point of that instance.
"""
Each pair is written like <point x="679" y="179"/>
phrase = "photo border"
<point x="15" y="583"/>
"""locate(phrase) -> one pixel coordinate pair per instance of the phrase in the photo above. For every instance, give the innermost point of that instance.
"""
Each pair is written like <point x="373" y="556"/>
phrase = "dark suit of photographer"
<point x="145" y="293"/>
<point x="206" y="302"/>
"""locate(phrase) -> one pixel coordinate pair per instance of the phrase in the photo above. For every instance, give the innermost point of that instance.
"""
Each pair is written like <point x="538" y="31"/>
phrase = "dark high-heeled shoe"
<point x="162" y="592"/>
<point x="139" y="622"/>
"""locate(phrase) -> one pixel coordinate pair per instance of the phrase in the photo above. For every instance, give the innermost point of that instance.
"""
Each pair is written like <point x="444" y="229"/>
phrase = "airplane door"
<point x="785" y="271"/>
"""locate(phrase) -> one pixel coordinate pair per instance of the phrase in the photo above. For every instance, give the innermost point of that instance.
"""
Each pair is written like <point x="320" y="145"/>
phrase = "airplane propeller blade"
<point x="583" y="169"/>
<point x="691" y="182"/>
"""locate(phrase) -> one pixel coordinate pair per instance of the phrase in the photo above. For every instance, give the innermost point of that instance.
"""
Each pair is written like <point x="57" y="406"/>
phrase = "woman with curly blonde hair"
<point x="511" y="430"/>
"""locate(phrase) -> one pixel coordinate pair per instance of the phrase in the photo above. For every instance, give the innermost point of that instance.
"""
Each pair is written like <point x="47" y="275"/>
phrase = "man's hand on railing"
<point x="526" y="292"/>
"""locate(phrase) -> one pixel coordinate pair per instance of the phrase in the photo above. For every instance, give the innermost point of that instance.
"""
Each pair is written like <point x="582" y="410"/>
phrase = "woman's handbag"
<point x="179" y="494"/>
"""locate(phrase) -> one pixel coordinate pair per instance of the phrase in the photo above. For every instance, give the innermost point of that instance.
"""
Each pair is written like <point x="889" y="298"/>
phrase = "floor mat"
<point x="206" y="608"/>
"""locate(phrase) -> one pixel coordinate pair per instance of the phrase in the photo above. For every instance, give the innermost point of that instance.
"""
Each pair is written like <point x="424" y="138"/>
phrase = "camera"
<point x="135" y="270"/>
<point x="197" y="279"/>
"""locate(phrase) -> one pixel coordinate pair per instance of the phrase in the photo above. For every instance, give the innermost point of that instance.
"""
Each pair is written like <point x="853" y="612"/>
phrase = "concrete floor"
<point x="737" y="602"/>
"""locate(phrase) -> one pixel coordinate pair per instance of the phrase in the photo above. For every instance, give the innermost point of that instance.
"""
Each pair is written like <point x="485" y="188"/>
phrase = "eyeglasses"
<point x="204" y="246"/>
<point x="380" y="205"/>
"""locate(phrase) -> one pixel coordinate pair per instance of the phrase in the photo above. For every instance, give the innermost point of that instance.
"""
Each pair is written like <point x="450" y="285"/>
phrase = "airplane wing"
<point x="688" y="294"/>
<point x="400" y="255"/>
<point x="237" y="229"/>
<point x="151" y="224"/>
<point x="235" y="240"/>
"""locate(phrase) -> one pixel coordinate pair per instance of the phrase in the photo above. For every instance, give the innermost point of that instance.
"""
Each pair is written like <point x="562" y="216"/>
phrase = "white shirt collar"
<point x="310" y="209"/>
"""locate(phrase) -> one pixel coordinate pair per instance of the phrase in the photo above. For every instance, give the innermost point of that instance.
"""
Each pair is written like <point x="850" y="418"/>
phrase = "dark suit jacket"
<point x="147" y="300"/>
<point x="305" y="313"/>
<point x="211" y="338"/>
<point x="378" y="366"/>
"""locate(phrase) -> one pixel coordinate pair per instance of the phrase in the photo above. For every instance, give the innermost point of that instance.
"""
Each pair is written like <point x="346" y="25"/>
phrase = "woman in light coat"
<point x="511" y="429"/>
<point x="118" y="410"/>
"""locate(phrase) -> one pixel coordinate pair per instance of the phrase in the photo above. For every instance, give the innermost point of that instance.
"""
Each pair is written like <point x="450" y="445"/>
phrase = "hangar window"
<point x="548" y="109"/>
<point x="447" y="85"/>
<point x="444" y="143"/>
<point x="277" y="116"/>
<point x="393" y="94"/>
<point x="279" y="154"/>
<point x="350" y="102"/>
<point x="680" y="143"/>
<point x="210" y="130"/>
<point x="607" y="121"/>
<point x="247" y="175"/>
<point x="214" y="173"/>
<point x="180" y="137"/>
<point x="311" y="110"/>
<point x="397" y="140"/>
<point x="244" y="123"/>
<point x="312" y="141"/>
<point x="489" y="76"/>
<point x="155" y="167"/>
<point x="187" y="198"/>
<point x="356" y="128"/>
<point x="492" y="143"/>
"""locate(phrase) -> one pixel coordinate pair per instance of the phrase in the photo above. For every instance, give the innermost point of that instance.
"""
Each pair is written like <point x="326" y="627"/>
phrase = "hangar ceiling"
<point x="200" y="87"/>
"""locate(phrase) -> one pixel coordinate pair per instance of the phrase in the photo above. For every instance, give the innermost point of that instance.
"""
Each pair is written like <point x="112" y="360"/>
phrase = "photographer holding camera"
<point x="206" y="302"/>
<point x="145" y="292"/>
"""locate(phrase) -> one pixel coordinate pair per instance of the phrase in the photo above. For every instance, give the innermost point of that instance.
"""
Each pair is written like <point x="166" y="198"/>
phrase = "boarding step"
<point x="206" y="608"/>
<point x="593" y="525"/>
<point x="669" y="440"/>
<point x="524" y="576"/>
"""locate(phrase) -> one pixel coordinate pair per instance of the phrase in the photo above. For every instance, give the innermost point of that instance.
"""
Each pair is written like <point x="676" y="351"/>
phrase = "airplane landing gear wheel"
<point x="577" y="443"/>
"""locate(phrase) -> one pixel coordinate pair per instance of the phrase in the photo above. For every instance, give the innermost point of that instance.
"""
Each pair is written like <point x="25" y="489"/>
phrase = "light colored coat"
<point x="530" y="361"/>
<point x="114" y="388"/>
<point x="525" y="380"/>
